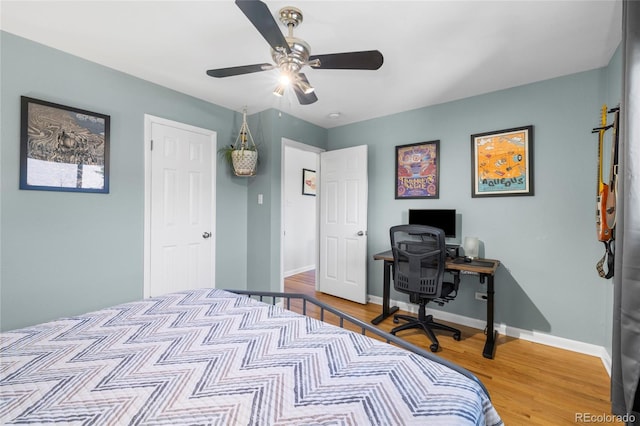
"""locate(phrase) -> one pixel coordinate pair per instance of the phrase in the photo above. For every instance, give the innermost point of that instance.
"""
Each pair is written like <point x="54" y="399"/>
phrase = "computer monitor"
<point x="444" y="219"/>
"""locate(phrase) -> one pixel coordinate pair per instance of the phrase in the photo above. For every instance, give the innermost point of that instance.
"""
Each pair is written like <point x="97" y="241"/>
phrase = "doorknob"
<point x="206" y="235"/>
<point x="360" y="233"/>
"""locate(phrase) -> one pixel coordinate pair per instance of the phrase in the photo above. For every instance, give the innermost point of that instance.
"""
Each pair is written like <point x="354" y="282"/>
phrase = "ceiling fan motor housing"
<point x="295" y="60"/>
<point x="291" y="62"/>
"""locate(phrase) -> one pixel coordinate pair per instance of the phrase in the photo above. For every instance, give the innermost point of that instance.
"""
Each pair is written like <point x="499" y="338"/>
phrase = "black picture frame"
<point x="309" y="182"/>
<point x="502" y="163"/>
<point x="63" y="148"/>
<point x="417" y="171"/>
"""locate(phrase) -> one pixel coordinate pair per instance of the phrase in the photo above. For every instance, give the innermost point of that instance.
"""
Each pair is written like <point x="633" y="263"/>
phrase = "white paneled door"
<point x="343" y="223"/>
<point x="182" y="239"/>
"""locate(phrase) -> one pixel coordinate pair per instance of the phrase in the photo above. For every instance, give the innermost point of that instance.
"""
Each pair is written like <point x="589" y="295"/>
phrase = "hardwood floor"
<point x="529" y="383"/>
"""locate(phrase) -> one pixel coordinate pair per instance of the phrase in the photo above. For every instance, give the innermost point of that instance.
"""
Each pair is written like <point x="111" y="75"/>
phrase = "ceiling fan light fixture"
<point x="304" y="87"/>
<point x="279" y="90"/>
<point x="284" y="79"/>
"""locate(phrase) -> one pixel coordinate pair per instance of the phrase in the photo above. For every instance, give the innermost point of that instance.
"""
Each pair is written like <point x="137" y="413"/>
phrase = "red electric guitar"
<point x="606" y="194"/>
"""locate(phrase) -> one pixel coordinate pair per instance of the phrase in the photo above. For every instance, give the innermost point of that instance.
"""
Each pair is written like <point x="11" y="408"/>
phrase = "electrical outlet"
<point x="481" y="296"/>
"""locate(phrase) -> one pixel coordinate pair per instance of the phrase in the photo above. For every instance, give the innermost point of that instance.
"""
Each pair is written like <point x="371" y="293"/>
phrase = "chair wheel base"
<point x="456" y="337"/>
<point x="434" y="347"/>
<point x="396" y="320"/>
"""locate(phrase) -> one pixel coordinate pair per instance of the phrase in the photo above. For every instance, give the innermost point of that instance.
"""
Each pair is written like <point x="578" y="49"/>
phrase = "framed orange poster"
<point x="502" y="162"/>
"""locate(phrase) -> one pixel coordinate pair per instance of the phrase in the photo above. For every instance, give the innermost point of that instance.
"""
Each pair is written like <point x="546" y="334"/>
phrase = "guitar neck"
<point x="601" y="130"/>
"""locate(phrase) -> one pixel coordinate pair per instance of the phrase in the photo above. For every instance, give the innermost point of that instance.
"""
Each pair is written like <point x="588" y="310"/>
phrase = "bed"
<point x="216" y="357"/>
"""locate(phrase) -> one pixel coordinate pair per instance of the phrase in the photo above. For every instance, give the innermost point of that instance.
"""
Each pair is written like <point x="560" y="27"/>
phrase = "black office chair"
<point x="419" y="254"/>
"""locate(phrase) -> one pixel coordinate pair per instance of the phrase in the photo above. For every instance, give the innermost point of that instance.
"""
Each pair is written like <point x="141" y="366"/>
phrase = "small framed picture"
<point x="308" y="182"/>
<point x="63" y="148"/>
<point x="502" y="163"/>
<point x="417" y="170"/>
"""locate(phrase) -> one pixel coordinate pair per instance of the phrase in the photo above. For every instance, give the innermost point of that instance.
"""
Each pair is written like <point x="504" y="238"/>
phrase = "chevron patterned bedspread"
<point x="212" y="357"/>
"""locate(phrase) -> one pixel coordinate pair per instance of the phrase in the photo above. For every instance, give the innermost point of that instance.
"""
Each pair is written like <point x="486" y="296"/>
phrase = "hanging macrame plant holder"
<point x="244" y="157"/>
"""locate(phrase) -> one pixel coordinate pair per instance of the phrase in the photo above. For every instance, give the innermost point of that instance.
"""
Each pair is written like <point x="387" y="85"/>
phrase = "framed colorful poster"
<point x="417" y="170"/>
<point x="502" y="163"/>
<point x="63" y="148"/>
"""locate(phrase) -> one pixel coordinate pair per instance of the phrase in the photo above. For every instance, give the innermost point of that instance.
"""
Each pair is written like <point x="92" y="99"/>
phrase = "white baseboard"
<point x="531" y="336"/>
<point x="299" y="270"/>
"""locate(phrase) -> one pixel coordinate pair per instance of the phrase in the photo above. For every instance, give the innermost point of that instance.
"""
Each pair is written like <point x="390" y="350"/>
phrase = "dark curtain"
<point x="625" y="368"/>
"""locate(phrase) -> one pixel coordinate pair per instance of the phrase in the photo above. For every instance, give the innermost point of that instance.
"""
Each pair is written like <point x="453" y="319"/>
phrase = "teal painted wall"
<point x="263" y="248"/>
<point x="66" y="253"/>
<point x="546" y="242"/>
<point x="547" y="281"/>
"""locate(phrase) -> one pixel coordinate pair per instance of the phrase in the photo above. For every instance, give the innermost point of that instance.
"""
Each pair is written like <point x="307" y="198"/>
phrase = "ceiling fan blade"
<point x="261" y="18"/>
<point x="304" y="98"/>
<point x="366" y="60"/>
<point x="245" y="69"/>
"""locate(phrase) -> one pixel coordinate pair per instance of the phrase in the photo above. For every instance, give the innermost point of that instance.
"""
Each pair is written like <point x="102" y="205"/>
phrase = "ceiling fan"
<point x="291" y="54"/>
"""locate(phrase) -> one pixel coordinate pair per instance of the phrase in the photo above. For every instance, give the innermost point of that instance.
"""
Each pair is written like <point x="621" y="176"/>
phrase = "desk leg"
<point x="386" y="295"/>
<point x="492" y="335"/>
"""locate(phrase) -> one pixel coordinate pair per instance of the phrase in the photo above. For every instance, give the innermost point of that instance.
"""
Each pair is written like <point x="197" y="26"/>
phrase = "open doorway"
<point x="299" y="212"/>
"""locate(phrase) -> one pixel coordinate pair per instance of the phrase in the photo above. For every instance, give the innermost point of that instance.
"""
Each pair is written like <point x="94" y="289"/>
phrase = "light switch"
<point x="260" y="198"/>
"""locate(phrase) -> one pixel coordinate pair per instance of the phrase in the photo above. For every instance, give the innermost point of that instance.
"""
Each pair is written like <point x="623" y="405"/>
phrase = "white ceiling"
<point x="434" y="51"/>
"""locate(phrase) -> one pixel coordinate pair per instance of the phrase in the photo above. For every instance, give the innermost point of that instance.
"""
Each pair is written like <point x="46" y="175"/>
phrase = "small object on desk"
<point x="468" y="259"/>
<point x="471" y="246"/>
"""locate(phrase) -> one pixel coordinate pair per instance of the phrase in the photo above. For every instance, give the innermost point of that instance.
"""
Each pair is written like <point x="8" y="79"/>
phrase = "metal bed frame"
<point x="364" y="327"/>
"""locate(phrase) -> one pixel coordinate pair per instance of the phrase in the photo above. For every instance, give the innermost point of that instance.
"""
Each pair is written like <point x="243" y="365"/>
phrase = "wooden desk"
<point x="485" y="268"/>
